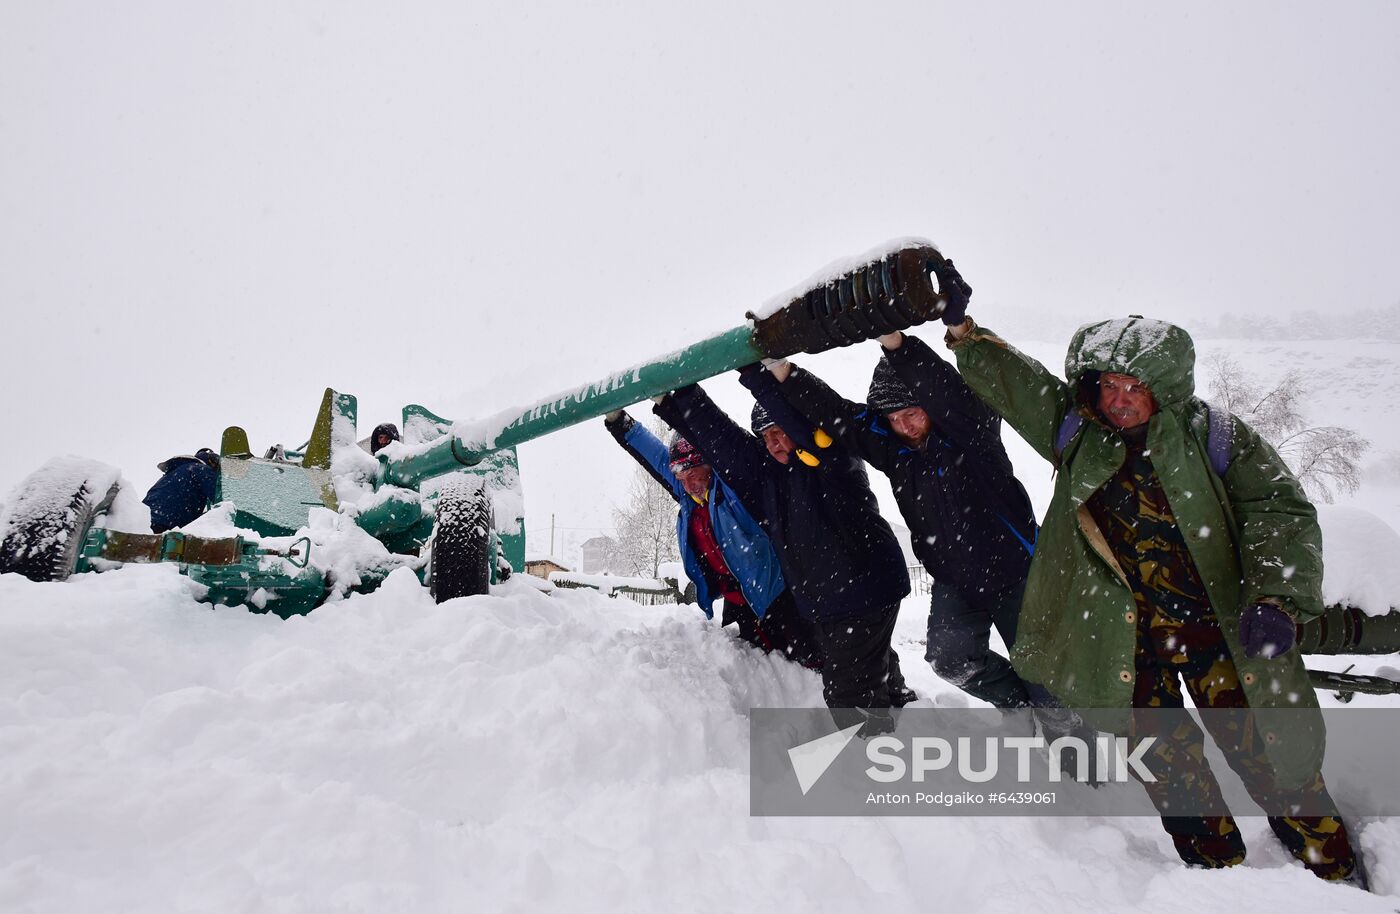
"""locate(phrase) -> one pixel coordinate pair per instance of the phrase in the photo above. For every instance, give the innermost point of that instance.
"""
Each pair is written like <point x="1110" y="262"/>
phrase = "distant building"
<point x="542" y="566"/>
<point x="595" y="554"/>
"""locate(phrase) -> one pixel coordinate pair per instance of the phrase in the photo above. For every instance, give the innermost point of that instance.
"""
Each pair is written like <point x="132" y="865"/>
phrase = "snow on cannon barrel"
<point x="890" y="288"/>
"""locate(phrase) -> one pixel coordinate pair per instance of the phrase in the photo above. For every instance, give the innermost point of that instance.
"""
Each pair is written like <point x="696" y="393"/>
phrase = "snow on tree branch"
<point x="1325" y="458"/>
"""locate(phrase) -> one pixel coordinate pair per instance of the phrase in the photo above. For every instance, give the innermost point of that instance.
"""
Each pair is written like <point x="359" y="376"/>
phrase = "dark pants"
<point x="959" y="630"/>
<point x="1171" y="654"/>
<point x="860" y="669"/>
<point x="781" y="629"/>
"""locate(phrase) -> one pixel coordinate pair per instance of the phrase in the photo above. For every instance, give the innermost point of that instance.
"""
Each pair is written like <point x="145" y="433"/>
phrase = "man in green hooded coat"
<point x="1154" y="571"/>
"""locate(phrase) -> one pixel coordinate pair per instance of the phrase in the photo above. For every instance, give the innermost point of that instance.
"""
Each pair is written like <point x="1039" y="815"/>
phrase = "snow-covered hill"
<point x="517" y="752"/>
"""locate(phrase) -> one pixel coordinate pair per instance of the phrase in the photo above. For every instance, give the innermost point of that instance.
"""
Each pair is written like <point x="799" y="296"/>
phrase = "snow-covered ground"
<point x="526" y="751"/>
<point x="515" y="752"/>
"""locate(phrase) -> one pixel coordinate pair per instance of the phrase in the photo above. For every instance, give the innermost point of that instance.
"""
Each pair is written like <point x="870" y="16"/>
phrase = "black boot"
<point x="901" y="696"/>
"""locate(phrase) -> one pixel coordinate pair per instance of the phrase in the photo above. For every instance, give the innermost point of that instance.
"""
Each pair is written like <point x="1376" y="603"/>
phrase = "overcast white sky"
<point x="209" y="212"/>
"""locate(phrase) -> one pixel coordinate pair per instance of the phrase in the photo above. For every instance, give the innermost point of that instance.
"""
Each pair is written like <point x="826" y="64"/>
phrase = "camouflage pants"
<point x="1172" y="653"/>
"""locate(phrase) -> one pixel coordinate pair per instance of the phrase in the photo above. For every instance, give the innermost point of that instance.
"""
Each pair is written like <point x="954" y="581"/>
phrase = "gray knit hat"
<point x="759" y="419"/>
<point x="887" y="392"/>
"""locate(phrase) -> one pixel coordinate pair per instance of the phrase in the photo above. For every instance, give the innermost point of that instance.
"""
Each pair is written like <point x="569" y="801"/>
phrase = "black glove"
<point x="955" y="291"/>
<point x="1266" y="631"/>
<point x="618" y="424"/>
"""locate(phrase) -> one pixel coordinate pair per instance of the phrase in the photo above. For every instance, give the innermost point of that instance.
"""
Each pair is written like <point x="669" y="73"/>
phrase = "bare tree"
<point x="1325" y="458"/>
<point x="646" y="525"/>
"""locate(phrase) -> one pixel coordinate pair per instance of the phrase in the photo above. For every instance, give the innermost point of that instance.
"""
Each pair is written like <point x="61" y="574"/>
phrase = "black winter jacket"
<point x="182" y="494"/>
<point x="838" y="555"/>
<point x="968" y="515"/>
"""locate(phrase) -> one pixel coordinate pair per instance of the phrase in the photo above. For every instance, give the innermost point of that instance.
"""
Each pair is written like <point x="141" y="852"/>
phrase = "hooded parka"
<point x="1251" y="534"/>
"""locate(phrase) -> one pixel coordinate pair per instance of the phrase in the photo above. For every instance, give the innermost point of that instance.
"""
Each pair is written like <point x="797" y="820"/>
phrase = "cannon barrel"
<point x="1343" y="629"/>
<point x="887" y="290"/>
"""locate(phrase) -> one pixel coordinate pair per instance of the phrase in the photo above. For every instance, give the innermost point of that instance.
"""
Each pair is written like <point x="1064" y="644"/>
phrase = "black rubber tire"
<point x="43" y="544"/>
<point x="461" y="558"/>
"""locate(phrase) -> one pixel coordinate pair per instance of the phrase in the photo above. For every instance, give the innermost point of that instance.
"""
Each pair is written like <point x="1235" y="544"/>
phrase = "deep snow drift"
<point x="513" y="752"/>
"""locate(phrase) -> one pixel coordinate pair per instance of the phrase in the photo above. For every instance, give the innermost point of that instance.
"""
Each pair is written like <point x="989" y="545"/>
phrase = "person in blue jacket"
<point x="837" y="553"/>
<point x="724" y="550"/>
<point x="185" y="491"/>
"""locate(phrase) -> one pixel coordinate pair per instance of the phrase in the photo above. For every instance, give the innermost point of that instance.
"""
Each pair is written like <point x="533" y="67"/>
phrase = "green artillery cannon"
<point x="1345" y="629"/>
<point x="431" y="502"/>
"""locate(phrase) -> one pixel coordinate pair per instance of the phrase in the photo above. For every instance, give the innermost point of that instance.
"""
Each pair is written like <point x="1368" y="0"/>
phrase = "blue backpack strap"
<point x="1220" y="439"/>
<point x="1069" y="427"/>
<point x="1026" y="544"/>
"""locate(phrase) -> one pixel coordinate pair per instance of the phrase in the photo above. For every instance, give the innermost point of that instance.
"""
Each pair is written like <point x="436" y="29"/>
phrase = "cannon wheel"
<point x="51" y="514"/>
<point x="460" y="565"/>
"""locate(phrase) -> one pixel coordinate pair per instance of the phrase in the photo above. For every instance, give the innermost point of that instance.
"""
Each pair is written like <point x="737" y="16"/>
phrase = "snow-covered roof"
<point x="607" y="583"/>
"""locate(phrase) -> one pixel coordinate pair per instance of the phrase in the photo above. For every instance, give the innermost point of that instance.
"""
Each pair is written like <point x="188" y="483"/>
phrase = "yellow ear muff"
<point x="809" y="459"/>
<point x="822" y="439"/>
